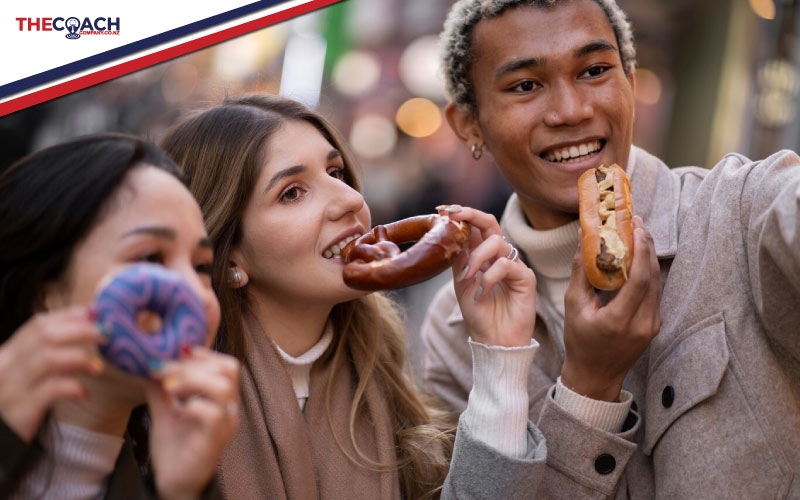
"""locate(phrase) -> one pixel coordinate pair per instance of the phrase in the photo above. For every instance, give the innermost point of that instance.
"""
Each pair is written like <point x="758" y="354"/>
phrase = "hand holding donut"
<point x="496" y="291"/>
<point x="39" y="365"/>
<point x="194" y="409"/>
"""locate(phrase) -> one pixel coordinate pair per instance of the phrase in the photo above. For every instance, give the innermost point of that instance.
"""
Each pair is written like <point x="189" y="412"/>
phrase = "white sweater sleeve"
<point x="603" y="415"/>
<point x="497" y="409"/>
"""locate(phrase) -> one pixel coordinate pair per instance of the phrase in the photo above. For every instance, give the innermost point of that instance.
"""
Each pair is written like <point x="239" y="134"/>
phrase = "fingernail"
<point x="478" y="293"/>
<point x="97" y="365"/>
<point x="186" y="350"/>
<point x="92" y="313"/>
<point x="638" y="233"/>
<point x="169" y="383"/>
<point x="462" y="273"/>
<point x="155" y="364"/>
<point x="452" y="209"/>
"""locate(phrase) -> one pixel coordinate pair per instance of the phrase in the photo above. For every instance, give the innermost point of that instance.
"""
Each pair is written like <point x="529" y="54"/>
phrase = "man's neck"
<point x="543" y="218"/>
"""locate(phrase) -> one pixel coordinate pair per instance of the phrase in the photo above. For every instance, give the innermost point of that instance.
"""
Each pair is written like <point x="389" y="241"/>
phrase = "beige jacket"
<point x="716" y="410"/>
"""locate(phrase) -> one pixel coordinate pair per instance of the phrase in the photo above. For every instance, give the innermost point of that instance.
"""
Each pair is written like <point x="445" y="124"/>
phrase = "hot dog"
<point x="606" y="212"/>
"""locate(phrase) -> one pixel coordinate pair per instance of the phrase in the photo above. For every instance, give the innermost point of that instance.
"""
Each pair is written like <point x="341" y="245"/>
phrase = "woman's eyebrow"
<point x="287" y="172"/>
<point x="157" y="231"/>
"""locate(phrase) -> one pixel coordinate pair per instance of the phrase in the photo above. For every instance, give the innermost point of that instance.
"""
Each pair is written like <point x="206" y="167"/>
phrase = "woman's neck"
<point x="295" y="326"/>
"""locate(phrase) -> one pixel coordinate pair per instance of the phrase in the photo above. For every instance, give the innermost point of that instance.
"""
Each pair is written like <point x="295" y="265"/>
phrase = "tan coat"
<point x="716" y="409"/>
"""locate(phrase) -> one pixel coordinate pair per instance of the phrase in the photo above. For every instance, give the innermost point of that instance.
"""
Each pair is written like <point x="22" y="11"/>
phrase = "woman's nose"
<point x="344" y="200"/>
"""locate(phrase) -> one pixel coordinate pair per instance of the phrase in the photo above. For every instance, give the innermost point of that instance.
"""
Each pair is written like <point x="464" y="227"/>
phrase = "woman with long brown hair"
<point x="329" y="410"/>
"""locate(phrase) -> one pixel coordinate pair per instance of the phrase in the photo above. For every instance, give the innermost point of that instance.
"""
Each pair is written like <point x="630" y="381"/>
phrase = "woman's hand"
<point x="39" y="365"/>
<point x="194" y="410"/>
<point x="495" y="290"/>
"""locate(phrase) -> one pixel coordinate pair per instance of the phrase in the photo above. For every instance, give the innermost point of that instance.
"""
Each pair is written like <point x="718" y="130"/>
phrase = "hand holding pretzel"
<point x="496" y="291"/>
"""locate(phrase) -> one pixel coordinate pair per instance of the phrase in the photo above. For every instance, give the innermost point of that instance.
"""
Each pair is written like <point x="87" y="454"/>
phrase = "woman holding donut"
<point x="329" y="410"/>
<point x="71" y="424"/>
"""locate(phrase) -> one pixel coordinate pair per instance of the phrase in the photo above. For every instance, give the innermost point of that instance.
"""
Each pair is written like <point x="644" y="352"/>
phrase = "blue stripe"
<point x="131" y="48"/>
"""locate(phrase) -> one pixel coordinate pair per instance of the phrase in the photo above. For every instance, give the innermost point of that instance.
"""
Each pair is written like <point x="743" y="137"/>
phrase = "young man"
<point x="709" y="408"/>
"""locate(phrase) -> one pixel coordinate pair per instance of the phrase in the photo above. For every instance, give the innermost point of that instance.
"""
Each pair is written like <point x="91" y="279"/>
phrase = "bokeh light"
<point x="373" y="136"/>
<point x="419" y="117"/>
<point x="763" y="8"/>
<point x="356" y="73"/>
<point x="419" y="68"/>
<point x="648" y="88"/>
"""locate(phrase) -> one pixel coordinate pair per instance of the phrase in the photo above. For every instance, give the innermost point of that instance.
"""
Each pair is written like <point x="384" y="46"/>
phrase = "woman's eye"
<point x="291" y="194"/>
<point x="205" y="268"/>
<point x="155" y="258"/>
<point x="526" y="86"/>
<point x="337" y="173"/>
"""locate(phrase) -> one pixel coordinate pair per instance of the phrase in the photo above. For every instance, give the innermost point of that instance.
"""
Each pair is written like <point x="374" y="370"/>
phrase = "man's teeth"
<point x="335" y="250"/>
<point x="572" y="153"/>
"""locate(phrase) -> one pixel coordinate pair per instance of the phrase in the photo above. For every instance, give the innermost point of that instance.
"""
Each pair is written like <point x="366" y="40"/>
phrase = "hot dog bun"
<point x="606" y="213"/>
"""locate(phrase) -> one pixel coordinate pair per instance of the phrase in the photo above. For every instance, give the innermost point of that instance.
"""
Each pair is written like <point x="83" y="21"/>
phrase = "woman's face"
<point x="152" y="218"/>
<point x="300" y="211"/>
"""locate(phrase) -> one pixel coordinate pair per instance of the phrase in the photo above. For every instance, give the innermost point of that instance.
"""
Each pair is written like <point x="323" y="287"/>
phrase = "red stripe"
<point x="103" y="75"/>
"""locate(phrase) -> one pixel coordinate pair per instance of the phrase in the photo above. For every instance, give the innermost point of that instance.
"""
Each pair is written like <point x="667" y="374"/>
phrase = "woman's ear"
<point x="236" y="276"/>
<point x="465" y="125"/>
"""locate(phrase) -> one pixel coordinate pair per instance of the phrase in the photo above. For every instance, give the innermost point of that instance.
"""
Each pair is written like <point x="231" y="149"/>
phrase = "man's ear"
<point x="632" y="81"/>
<point x="465" y="125"/>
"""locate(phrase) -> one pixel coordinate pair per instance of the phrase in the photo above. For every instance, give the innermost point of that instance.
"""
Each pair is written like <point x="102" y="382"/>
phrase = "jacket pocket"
<point x="687" y="373"/>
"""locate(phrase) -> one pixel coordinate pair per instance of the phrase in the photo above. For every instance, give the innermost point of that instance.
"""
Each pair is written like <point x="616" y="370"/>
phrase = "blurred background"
<point x="714" y="76"/>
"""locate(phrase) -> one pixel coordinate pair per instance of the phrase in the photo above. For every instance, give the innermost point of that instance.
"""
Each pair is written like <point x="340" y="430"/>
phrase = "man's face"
<point x="553" y="101"/>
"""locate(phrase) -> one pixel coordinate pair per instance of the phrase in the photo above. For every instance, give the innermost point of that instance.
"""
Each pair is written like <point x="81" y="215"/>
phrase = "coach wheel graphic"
<point x="73" y="25"/>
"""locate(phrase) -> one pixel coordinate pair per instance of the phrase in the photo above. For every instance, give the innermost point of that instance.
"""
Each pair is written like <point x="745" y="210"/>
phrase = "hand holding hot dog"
<point x="604" y="342"/>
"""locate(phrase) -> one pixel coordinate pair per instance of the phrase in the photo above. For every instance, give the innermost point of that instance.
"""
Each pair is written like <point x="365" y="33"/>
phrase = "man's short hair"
<point x="456" y="40"/>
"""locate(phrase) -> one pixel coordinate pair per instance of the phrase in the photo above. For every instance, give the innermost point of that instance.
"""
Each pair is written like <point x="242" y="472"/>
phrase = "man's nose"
<point x="567" y="106"/>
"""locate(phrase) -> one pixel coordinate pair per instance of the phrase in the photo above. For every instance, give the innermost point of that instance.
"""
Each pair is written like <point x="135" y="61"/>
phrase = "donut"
<point x="374" y="260"/>
<point x="149" y="314"/>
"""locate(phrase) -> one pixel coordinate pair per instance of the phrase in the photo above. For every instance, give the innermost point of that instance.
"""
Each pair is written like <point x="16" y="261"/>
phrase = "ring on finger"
<point x="513" y="254"/>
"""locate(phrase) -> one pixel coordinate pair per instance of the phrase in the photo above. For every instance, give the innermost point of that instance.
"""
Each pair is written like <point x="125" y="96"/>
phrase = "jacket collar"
<point x="656" y="196"/>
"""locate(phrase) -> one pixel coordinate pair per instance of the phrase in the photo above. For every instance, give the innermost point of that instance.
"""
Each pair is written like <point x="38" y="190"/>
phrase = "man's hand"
<point x="603" y="342"/>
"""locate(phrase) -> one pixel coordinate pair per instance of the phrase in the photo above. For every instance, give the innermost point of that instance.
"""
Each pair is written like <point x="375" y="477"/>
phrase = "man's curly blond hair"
<point x="456" y="40"/>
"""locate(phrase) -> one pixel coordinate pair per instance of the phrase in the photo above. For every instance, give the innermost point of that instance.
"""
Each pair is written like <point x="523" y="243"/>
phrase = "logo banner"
<point x="52" y="48"/>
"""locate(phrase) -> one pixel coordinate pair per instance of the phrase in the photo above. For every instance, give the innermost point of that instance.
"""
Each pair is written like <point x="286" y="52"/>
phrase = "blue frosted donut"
<point x="174" y="311"/>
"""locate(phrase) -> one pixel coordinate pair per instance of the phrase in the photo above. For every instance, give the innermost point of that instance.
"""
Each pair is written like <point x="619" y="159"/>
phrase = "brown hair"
<point x="221" y="150"/>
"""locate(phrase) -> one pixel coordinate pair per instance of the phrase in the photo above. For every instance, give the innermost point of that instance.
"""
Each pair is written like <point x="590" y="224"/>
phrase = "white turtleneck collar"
<point x="300" y="367"/>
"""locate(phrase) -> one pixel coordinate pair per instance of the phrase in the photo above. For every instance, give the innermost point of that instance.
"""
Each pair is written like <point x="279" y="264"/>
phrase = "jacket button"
<point x="667" y="396"/>
<point x="605" y="464"/>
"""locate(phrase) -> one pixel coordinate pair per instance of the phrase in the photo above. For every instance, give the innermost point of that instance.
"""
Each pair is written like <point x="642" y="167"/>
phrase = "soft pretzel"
<point x="374" y="261"/>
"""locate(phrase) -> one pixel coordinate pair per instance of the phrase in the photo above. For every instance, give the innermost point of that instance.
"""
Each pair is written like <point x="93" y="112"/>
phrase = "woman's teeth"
<point x="335" y="250"/>
<point x="572" y="153"/>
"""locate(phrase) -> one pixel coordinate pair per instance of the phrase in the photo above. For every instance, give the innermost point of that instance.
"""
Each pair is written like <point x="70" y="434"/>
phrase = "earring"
<point x="477" y="152"/>
<point x="235" y="277"/>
